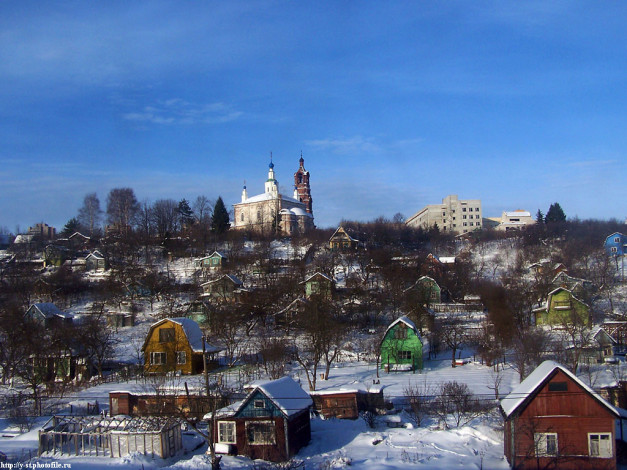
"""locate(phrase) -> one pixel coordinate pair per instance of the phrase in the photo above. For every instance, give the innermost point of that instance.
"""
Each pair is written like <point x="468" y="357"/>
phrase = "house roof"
<point x="548" y="299"/>
<point x="229" y="277"/>
<point x="95" y="254"/>
<point x="317" y="274"/>
<point x="407" y="321"/>
<point x="192" y="331"/>
<point x="525" y="391"/>
<point x="49" y="310"/>
<point x="285" y="393"/>
<point x="343" y="230"/>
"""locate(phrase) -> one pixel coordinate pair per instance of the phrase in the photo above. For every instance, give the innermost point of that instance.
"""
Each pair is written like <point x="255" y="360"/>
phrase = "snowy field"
<point x="335" y="443"/>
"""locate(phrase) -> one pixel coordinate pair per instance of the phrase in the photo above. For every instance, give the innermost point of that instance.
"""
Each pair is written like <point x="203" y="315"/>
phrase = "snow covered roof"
<point x="267" y="197"/>
<point x="50" y="310"/>
<point x="230" y="277"/>
<point x="407" y="321"/>
<point x="518" y="213"/>
<point x="447" y="259"/>
<point x="95" y="254"/>
<point x="317" y="273"/>
<point x="285" y="393"/>
<point x="536" y="379"/>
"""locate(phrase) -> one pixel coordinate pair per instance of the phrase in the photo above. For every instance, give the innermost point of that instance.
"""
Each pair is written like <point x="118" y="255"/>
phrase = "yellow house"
<point x="176" y="345"/>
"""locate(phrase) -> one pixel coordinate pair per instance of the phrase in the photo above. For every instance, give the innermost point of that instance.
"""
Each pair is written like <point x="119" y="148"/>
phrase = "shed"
<point x="401" y="347"/>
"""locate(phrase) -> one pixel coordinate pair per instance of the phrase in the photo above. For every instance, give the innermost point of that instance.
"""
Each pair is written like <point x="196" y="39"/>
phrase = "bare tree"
<point x="97" y="340"/>
<point x="122" y="207"/>
<point x="165" y="214"/>
<point x="455" y="399"/>
<point x="420" y="397"/>
<point x="90" y="214"/>
<point x="452" y="333"/>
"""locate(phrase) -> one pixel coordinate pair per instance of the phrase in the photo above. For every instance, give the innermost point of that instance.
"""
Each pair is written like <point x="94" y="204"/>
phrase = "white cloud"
<point x="179" y="111"/>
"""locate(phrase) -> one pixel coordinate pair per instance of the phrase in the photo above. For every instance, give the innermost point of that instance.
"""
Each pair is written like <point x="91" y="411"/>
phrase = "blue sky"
<point x="394" y="104"/>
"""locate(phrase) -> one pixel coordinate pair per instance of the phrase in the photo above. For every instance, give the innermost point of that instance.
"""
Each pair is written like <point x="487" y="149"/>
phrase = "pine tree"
<point x="71" y="226"/>
<point x="220" y="219"/>
<point x="539" y="217"/>
<point x="185" y="213"/>
<point x="555" y="214"/>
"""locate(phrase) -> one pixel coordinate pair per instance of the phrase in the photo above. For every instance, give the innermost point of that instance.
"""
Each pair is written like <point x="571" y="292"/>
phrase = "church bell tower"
<point x="302" y="191"/>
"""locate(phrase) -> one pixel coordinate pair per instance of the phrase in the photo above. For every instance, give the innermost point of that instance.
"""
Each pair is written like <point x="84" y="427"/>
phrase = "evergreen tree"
<point x="555" y="214"/>
<point x="220" y="219"/>
<point x="539" y="217"/>
<point x="71" y="226"/>
<point x="186" y="214"/>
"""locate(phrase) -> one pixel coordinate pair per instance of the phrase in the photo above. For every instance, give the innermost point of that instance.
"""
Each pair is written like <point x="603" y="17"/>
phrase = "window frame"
<point x="609" y="450"/>
<point x="270" y="426"/>
<point x="154" y="354"/>
<point x="179" y="355"/>
<point x="541" y="440"/>
<point x="167" y="335"/>
<point x="233" y="433"/>
<point x="404" y="355"/>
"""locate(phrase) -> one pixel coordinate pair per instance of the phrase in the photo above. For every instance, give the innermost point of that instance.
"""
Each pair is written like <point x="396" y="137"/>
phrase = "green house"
<point x="401" y="347"/>
<point x="320" y="285"/>
<point x="425" y="290"/>
<point x="214" y="261"/>
<point x="561" y="308"/>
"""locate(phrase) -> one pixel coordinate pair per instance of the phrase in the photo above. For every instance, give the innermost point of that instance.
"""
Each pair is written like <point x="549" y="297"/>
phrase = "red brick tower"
<point x="302" y="191"/>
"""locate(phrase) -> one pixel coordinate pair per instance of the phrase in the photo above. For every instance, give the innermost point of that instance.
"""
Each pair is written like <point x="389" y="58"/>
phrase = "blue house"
<point x="616" y="244"/>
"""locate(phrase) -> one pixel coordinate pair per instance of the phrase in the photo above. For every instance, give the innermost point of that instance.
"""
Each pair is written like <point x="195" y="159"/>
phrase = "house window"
<point x="181" y="357"/>
<point x="158" y="358"/>
<point x="226" y="432"/>
<point x="463" y="209"/>
<point x="470" y="209"/>
<point x="260" y="432"/>
<point x="558" y="387"/>
<point x="546" y="444"/>
<point x="617" y="240"/>
<point x="404" y="355"/>
<point x="166" y="335"/>
<point x="400" y="332"/>
<point x="600" y="445"/>
<point x="259" y="404"/>
<point x="614" y="249"/>
<point x="464" y="216"/>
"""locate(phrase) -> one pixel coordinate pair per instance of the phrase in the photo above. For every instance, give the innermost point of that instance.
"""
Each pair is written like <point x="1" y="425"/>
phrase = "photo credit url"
<point x="19" y="465"/>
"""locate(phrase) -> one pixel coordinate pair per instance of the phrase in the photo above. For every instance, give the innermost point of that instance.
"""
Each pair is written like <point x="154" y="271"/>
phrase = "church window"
<point x="258" y="216"/>
<point x="300" y="179"/>
<point x="242" y="217"/>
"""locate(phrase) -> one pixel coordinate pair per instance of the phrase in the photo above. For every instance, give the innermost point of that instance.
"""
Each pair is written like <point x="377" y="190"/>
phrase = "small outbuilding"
<point x="271" y="423"/>
<point x="554" y="420"/>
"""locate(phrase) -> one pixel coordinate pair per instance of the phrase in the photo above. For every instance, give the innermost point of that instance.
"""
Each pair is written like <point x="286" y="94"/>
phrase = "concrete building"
<point x="453" y="215"/>
<point x="510" y="220"/>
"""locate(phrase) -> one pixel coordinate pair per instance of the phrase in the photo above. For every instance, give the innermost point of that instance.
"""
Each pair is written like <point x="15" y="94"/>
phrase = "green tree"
<point x="220" y="219"/>
<point x="186" y="214"/>
<point x="71" y="226"/>
<point x="539" y="217"/>
<point x="555" y="214"/>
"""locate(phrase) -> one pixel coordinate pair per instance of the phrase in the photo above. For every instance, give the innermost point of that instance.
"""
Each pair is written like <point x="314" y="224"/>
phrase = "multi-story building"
<point x="43" y="231"/>
<point x="453" y="215"/>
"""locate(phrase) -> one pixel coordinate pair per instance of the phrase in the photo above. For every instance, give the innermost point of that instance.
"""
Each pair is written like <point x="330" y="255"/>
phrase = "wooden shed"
<point x="554" y="420"/>
<point x="347" y="403"/>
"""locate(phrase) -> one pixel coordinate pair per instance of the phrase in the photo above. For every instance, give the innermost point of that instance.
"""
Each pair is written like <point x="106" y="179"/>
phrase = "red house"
<point x="554" y="420"/>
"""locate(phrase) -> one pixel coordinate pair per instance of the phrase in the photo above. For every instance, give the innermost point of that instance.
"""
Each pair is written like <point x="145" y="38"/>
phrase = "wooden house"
<point x="95" y="261"/>
<point x="48" y="315"/>
<point x="554" y="420"/>
<point x="401" y="347"/>
<point x="320" y="285"/>
<point x="271" y="423"/>
<point x="574" y="284"/>
<point x="599" y="348"/>
<point x="341" y="240"/>
<point x="425" y="290"/>
<point x="215" y="260"/>
<point x="165" y="403"/>
<point x="561" y="308"/>
<point x="177" y="345"/>
<point x="199" y="310"/>
<point x="226" y="288"/>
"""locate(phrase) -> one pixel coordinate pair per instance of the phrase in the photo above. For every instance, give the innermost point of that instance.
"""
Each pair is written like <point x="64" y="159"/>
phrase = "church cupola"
<point x="272" y="185"/>
<point x="244" y="193"/>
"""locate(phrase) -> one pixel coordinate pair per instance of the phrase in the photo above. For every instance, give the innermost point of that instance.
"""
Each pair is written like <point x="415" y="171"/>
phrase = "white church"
<point x="272" y="212"/>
